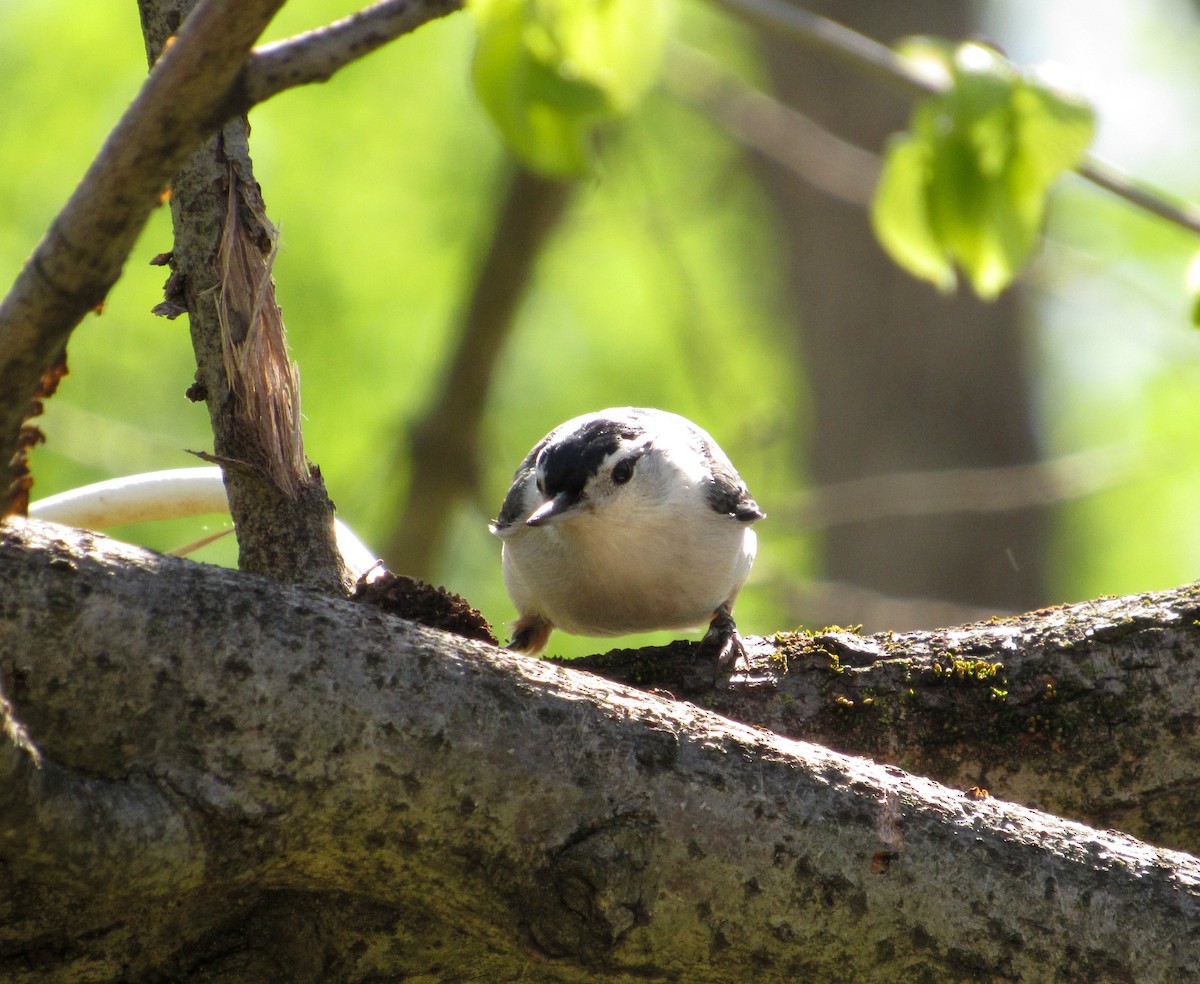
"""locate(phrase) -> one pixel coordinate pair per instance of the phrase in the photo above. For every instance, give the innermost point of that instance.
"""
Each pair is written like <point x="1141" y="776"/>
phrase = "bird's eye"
<point x="623" y="471"/>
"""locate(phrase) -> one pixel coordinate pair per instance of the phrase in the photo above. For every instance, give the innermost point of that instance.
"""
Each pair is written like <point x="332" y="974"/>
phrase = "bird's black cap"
<point x="566" y="465"/>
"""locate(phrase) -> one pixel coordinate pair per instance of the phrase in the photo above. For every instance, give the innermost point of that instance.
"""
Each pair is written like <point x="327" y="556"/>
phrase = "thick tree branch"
<point x="1086" y="711"/>
<point x="437" y="793"/>
<point x="79" y="831"/>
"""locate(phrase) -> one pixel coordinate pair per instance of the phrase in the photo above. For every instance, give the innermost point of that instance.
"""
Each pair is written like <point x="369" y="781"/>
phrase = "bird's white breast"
<point x="613" y="574"/>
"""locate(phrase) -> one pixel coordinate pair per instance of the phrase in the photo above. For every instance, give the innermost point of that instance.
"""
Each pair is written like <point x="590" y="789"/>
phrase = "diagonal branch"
<point x="443" y="468"/>
<point x="824" y="160"/>
<point x="316" y="55"/>
<point x="76" y="264"/>
<point x="201" y="80"/>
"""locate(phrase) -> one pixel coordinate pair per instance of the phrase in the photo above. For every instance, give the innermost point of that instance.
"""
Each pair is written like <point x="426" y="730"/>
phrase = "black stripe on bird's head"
<point x="567" y="464"/>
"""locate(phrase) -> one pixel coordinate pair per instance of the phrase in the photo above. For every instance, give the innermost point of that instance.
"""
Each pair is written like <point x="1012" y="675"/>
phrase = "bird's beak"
<point x="554" y="510"/>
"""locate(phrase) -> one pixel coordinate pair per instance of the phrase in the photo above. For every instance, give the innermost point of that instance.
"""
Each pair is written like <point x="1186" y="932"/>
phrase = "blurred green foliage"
<point x="662" y="288"/>
<point x="551" y="71"/>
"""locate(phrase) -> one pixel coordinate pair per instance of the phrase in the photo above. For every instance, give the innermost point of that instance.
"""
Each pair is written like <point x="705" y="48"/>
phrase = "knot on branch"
<point x="593" y="890"/>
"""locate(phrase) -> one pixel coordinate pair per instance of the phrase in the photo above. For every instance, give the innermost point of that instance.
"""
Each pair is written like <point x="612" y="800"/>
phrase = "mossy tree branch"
<point x="1086" y="711"/>
<point x="372" y="797"/>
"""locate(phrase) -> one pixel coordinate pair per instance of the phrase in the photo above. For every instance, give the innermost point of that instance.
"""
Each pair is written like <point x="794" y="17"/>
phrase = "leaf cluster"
<point x="965" y="187"/>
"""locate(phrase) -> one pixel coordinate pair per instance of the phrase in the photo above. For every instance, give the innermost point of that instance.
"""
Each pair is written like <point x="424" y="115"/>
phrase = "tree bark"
<point x="1086" y="711"/>
<point x="240" y="780"/>
<point x="221" y="277"/>
<point x="206" y="77"/>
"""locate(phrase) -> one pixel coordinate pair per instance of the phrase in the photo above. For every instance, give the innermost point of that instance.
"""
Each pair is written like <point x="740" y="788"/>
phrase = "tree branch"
<point x="947" y="490"/>
<point x="867" y="56"/>
<point x="1067" y="709"/>
<point x="74" y="266"/>
<point x="221" y="260"/>
<point x="842" y="603"/>
<point x="443" y="466"/>
<point x="316" y="55"/>
<point x="519" y="813"/>
<point x="827" y="162"/>
<point x="199" y="82"/>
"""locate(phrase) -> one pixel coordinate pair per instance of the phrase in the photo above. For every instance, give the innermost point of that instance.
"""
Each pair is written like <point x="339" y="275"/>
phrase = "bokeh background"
<point x="924" y="459"/>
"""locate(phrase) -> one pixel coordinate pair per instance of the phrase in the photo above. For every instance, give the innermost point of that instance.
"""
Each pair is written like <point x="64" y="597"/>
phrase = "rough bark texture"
<point x="242" y="781"/>
<point x="1086" y="711"/>
<point x="221" y="276"/>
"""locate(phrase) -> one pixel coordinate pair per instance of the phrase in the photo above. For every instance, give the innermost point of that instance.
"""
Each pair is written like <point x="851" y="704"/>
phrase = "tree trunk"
<point x="262" y="781"/>
<point x="902" y="378"/>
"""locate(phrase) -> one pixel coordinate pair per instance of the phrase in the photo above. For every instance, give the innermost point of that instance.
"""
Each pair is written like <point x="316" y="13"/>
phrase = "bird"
<point x="629" y="519"/>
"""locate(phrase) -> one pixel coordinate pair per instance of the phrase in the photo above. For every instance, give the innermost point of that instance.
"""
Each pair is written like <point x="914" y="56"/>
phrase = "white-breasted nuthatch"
<point x="627" y="520"/>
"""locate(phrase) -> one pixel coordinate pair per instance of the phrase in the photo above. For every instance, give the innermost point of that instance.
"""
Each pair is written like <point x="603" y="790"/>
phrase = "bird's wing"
<point x="728" y="495"/>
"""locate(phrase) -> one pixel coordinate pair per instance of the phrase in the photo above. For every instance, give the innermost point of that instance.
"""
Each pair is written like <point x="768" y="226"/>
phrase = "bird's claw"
<point x="722" y="644"/>
<point x="530" y="635"/>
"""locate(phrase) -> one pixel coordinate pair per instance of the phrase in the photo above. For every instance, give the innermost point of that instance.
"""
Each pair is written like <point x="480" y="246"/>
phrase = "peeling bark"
<point x="224" y="247"/>
<point x="345" y="796"/>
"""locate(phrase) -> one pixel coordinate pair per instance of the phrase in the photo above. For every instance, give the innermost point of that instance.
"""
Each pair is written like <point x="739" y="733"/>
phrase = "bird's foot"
<point x="722" y="644"/>
<point x="530" y="634"/>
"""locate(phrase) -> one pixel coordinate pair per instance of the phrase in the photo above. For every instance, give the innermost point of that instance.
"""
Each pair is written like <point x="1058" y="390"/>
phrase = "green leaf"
<point x="989" y="148"/>
<point x="900" y="217"/>
<point x="549" y="72"/>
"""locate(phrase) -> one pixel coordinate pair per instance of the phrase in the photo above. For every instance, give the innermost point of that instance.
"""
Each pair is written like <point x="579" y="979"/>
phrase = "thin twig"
<point x="962" y="490"/>
<point x="1111" y="178"/>
<point x="316" y="55"/>
<point x="867" y="56"/>
<point x="444" y="461"/>
<point x="857" y="51"/>
<point x="833" y="166"/>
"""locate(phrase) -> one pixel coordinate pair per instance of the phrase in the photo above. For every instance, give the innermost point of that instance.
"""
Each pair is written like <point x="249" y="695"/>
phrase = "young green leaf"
<point x="966" y="185"/>
<point x="550" y="71"/>
<point x="902" y="222"/>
